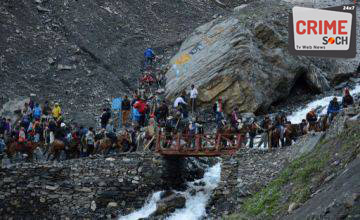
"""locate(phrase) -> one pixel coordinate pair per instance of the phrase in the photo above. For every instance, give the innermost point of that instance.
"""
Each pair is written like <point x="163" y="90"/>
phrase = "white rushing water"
<point x="195" y="207"/>
<point x="146" y="210"/>
<point x="300" y="114"/>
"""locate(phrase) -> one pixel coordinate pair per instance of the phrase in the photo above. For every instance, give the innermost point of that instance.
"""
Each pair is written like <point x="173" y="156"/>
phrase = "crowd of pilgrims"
<point x="145" y="115"/>
<point x="45" y="124"/>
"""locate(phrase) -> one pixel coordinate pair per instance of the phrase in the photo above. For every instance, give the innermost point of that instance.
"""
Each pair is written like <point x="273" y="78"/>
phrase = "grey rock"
<point x="112" y="205"/>
<point x="245" y="60"/>
<point x="42" y="9"/>
<point x="65" y="67"/>
<point x="51" y="61"/>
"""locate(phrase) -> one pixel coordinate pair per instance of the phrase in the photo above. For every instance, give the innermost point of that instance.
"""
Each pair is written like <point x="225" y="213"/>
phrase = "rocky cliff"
<point x="83" y="52"/>
<point x="244" y="59"/>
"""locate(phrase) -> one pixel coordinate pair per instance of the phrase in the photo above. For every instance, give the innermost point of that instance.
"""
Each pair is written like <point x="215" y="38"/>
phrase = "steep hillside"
<point x="320" y="184"/>
<point x="81" y="52"/>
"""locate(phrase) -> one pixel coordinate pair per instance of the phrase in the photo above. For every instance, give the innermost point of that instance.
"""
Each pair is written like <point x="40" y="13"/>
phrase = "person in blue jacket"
<point x="333" y="108"/>
<point x="37" y="112"/>
<point x="149" y="56"/>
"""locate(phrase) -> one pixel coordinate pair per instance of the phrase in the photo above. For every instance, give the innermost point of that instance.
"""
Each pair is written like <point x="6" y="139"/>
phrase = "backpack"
<point x="37" y="112"/>
<point x="149" y="53"/>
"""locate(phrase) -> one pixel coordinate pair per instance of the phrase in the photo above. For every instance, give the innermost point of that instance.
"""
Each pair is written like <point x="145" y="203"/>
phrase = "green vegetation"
<point x="300" y="179"/>
<point x="299" y="173"/>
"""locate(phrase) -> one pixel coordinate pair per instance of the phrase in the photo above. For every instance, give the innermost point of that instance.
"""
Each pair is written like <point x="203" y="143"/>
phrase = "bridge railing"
<point x="198" y="144"/>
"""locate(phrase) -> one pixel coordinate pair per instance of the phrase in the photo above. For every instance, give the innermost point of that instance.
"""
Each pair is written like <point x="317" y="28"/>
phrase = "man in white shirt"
<point x="193" y="96"/>
<point x="181" y="105"/>
<point x="179" y="100"/>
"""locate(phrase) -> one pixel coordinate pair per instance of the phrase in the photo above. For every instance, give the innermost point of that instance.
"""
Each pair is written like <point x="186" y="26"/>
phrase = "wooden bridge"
<point x="199" y="145"/>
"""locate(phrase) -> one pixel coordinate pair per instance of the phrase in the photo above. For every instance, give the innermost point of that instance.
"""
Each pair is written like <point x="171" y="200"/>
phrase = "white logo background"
<point x="305" y="14"/>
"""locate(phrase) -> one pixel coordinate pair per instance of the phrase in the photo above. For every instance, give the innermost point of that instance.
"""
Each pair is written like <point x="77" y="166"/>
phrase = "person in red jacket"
<point x="141" y="106"/>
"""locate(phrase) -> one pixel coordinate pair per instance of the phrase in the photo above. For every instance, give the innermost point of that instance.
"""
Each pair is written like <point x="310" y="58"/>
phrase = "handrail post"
<point x="218" y="140"/>
<point x="197" y="142"/>
<point x="178" y="142"/>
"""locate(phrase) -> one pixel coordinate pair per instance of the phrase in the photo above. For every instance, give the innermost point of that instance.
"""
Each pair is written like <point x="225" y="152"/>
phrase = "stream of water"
<point x="195" y="207"/>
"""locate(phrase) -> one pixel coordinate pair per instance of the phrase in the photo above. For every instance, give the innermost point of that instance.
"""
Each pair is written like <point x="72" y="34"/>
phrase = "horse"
<point x="124" y="143"/>
<point x="323" y="123"/>
<point x="55" y="149"/>
<point x="275" y="137"/>
<point x="225" y="134"/>
<point x="103" y="145"/>
<point x="14" y="147"/>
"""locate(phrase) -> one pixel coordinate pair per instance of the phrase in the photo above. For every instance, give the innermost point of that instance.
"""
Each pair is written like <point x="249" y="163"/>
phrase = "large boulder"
<point x="244" y="59"/>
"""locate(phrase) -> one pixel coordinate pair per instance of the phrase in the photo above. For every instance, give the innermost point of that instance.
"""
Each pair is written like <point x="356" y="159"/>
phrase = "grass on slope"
<point x="302" y="177"/>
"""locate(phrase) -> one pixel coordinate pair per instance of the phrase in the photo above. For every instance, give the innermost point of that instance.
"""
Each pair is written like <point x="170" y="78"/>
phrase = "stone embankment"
<point x="93" y="188"/>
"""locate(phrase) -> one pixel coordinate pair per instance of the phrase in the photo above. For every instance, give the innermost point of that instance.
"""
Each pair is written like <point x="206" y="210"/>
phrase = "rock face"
<point x="82" y="52"/>
<point x="244" y="59"/>
<point x="88" y="188"/>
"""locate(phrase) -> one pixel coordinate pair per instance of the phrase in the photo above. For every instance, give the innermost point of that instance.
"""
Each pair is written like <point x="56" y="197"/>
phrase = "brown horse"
<point x="28" y="148"/>
<point x="227" y="133"/>
<point x="103" y="145"/>
<point x="55" y="149"/>
<point x="274" y="138"/>
<point x="323" y="123"/>
<point x="123" y="143"/>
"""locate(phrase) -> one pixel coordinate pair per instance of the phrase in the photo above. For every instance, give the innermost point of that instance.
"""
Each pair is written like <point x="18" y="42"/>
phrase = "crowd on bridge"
<point x="145" y="115"/>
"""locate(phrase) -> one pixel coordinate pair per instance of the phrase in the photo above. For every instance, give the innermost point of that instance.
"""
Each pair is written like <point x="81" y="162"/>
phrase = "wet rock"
<point x="169" y="204"/>
<point x="317" y="79"/>
<point x="355" y="80"/>
<point x="341" y="86"/>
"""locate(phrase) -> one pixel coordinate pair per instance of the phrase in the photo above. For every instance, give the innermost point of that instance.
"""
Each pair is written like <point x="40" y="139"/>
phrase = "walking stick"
<point x="148" y="144"/>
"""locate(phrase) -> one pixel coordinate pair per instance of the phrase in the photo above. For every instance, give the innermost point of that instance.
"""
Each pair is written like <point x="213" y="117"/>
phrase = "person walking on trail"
<point x="311" y="118"/>
<point x="333" y="108"/>
<point x="193" y="96"/>
<point x="265" y="133"/>
<point x="218" y="109"/>
<point x="46" y="111"/>
<point x="141" y="107"/>
<point x="125" y="110"/>
<point x="162" y="112"/>
<point x="149" y="56"/>
<point x="181" y="105"/>
<point x="56" y="112"/>
<point x="22" y="137"/>
<point x="26" y="111"/>
<point x="105" y="117"/>
<point x="252" y="132"/>
<point x="2" y="143"/>
<point x="37" y="112"/>
<point x="235" y="118"/>
<point x="280" y="125"/>
<point x="347" y="99"/>
<point x="90" y="141"/>
<point x="2" y="125"/>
